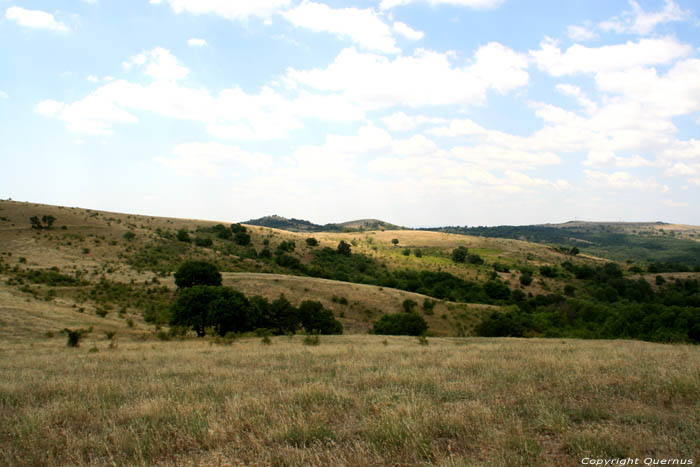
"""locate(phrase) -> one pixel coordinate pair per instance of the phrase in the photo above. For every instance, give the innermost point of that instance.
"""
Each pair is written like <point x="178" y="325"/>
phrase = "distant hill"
<point x="620" y="241"/>
<point x="300" y="225"/>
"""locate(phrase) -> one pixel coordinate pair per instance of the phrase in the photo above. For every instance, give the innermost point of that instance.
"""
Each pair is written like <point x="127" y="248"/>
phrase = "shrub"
<point x="75" y="336"/>
<point x="395" y="241"/>
<point x="473" y="258"/>
<point x="408" y="305"/>
<point x="418" y="253"/>
<point x="312" y="339"/>
<point x="194" y="273"/>
<point x="344" y="248"/>
<point x="183" y="236"/>
<point x="203" y="241"/>
<point x="129" y="236"/>
<point x="459" y="255"/>
<point x="428" y="306"/>
<point x="400" y="324"/>
<point x="311" y="242"/>
<point x="314" y="317"/>
<point x="526" y="278"/>
<point x="569" y="290"/>
<point x="242" y="238"/>
<point x="548" y="271"/>
<point x="407" y="252"/>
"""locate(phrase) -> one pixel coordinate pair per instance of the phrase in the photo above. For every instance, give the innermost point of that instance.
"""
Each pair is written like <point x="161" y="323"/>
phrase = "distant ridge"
<point x="301" y="225"/>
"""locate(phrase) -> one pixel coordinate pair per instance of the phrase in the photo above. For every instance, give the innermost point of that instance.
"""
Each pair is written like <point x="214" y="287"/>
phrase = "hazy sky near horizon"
<point x="418" y="112"/>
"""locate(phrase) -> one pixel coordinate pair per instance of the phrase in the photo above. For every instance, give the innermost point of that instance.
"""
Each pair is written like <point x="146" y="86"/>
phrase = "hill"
<point x="644" y="242"/>
<point x="300" y="225"/>
<point x="109" y="264"/>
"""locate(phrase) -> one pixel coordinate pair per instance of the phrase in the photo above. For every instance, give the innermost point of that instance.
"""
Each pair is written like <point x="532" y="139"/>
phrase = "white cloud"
<point x="504" y="158"/>
<point x="459" y="127"/>
<point x="207" y="159"/>
<point x="195" y="42"/>
<point x="230" y="114"/>
<point x="424" y="79"/>
<point x="407" y="31"/>
<point x="3" y="95"/>
<point x="362" y="26"/>
<point x="681" y="169"/>
<point x="581" y="33"/>
<point x="641" y="22"/>
<point x="399" y="121"/>
<point x="93" y="79"/>
<point x="35" y="19"/>
<point x="580" y="96"/>
<point x="581" y="59"/>
<point x="228" y="9"/>
<point x="161" y="65"/>
<point x="621" y="181"/>
<point x="479" y="4"/>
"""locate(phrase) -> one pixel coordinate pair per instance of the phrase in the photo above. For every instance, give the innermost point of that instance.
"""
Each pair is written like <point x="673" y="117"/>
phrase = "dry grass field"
<point x="355" y="399"/>
<point x="352" y="400"/>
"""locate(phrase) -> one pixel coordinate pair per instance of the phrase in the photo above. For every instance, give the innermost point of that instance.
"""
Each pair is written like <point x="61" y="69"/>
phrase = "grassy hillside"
<point x="120" y="260"/>
<point x="622" y="241"/>
<point x="300" y="225"/>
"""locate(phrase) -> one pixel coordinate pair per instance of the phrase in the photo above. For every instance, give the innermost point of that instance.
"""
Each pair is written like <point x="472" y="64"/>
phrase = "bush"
<point x="129" y="236"/>
<point x="400" y="324"/>
<point x="473" y="258"/>
<point x="75" y="336"/>
<point x="194" y="273"/>
<point x="428" y="306"/>
<point x="242" y="238"/>
<point x="526" y="278"/>
<point x="548" y="271"/>
<point x="183" y="236"/>
<point x="407" y="252"/>
<point x="418" y="253"/>
<point x="459" y="255"/>
<point x="344" y="248"/>
<point x="203" y="241"/>
<point x="311" y="242"/>
<point x="314" y="317"/>
<point x="408" y="305"/>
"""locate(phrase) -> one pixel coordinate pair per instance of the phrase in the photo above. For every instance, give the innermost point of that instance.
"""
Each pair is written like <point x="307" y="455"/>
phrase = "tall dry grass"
<point x="353" y="400"/>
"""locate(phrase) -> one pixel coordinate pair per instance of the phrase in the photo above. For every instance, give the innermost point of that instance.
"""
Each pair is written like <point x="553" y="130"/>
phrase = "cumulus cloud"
<point x="231" y="10"/>
<point x="621" y="181"/>
<point x="581" y="33"/>
<point x="581" y="59"/>
<point x="426" y="78"/>
<point x="230" y="114"/>
<point x="638" y="21"/>
<point x="407" y="31"/>
<point x="36" y="19"/>
<point x="362" y="26"/>
<point x="399" y="121"/>
<point x="208" y="159"/>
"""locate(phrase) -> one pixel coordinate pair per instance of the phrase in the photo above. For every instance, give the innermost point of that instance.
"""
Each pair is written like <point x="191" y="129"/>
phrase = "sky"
<point x="417" y="112"/>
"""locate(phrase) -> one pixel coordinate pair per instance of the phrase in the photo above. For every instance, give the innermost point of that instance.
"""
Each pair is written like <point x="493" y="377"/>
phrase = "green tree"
<point x="401" y="324"/>
<point x="315" y="318"/>
<point x="459" y="255"/>
<point x="191" y="309"/>
<point x="194" y="273"/>
<point x="312" y="242"/>
<point x="409" y="305"/>
<point x="395" y="241"/>
<point x="344" y="248"/>
<point x="230" y="311"/>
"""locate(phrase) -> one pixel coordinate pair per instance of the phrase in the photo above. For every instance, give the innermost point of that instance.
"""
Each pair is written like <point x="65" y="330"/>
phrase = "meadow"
<point x="351" y="400"/>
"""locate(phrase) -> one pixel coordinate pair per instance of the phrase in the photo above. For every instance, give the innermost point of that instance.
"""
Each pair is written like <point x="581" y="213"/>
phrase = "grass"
<point x="348" y="401"/>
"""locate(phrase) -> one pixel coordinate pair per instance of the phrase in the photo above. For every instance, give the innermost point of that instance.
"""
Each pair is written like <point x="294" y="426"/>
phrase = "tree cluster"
<point x="45" y="222"/>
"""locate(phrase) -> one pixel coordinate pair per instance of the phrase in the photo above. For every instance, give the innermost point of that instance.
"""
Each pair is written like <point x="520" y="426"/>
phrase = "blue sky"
<point x="418" y="112"/>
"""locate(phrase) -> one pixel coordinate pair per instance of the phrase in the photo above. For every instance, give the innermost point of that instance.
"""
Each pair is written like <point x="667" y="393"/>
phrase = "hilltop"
<point x="300" y="225"/>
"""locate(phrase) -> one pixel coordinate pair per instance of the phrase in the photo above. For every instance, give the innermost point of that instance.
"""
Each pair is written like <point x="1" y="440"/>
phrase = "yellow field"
<point x="358" y="400"/>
